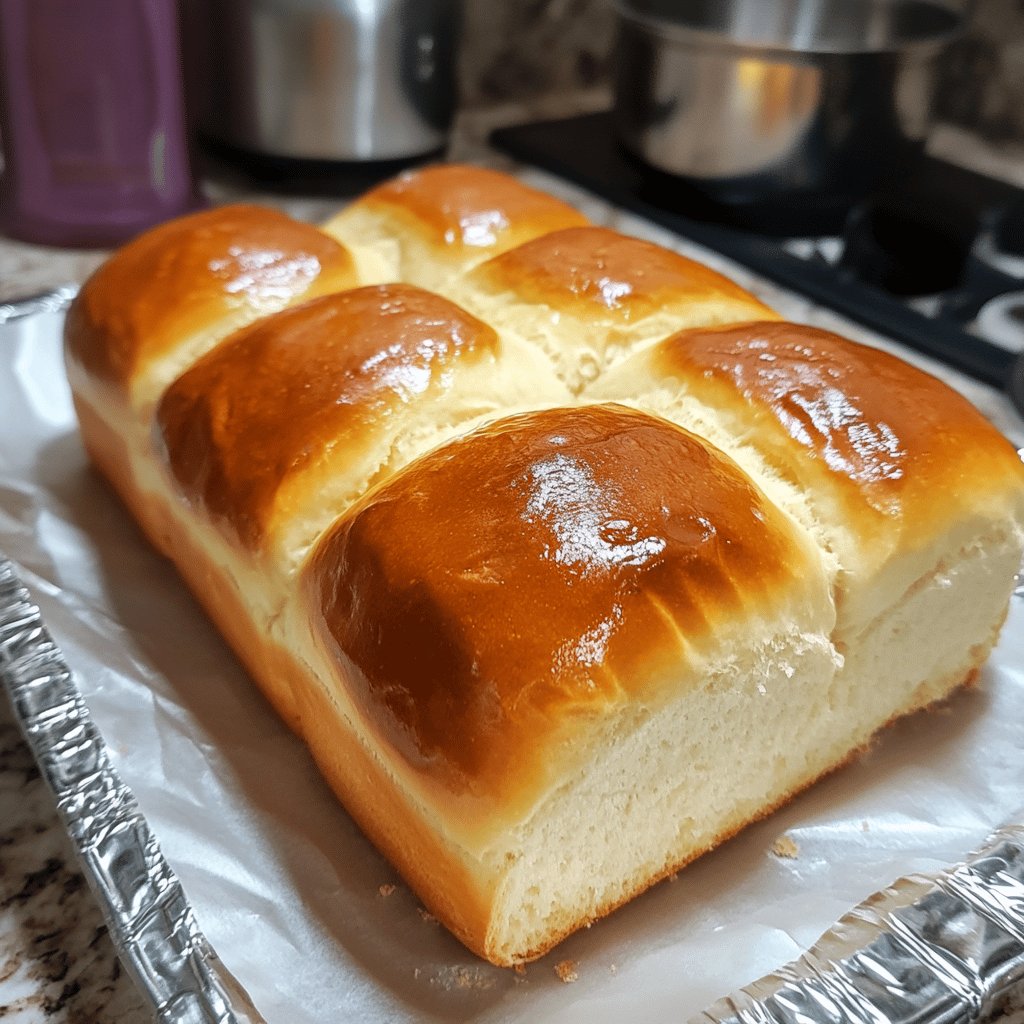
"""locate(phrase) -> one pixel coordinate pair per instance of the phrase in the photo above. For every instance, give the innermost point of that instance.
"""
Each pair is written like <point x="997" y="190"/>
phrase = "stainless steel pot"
<point x="758" y="100"/>
<point x="338" y="80"/>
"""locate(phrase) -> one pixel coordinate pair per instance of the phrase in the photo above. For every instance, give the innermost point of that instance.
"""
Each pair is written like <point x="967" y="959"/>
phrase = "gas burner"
<point x="937" y="264"/>
<point x="903" y="248"/>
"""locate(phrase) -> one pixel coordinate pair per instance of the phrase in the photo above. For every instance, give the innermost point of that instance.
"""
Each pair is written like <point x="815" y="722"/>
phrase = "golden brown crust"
<point x="366" y="789"/>
<point x="457" y="207"/>
<point x="319" y="379"/>
<point x="884" y="435"/>
<point x="538" y="571"/>
<point x="231" y="264"/>
<point x="586" y="268"/>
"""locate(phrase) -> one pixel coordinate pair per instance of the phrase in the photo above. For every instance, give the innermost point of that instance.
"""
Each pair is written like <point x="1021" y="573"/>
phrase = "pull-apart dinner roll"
<point x="165" y="299"/>
<point x="916" y="501"/>
<point x="552" y="634"/>
<point x="169" y="296"/>
<point x="338" y="393"/>
<point x="589" y="296"/>
<point x="273" y="434"/>
<point x="428" y="226"/>
<point x="546" y="648"/>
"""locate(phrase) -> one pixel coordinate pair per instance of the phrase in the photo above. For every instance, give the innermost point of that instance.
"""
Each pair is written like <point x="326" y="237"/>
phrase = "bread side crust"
<point x="937" y="694"/>
<point x="434" y="868"/>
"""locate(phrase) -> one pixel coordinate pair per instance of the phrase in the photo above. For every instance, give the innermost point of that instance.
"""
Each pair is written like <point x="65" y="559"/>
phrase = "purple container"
<point x="91" y="120"/>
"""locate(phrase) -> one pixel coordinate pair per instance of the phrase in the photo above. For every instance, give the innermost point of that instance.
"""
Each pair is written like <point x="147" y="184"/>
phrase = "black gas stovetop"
<point x="932" y="262"/>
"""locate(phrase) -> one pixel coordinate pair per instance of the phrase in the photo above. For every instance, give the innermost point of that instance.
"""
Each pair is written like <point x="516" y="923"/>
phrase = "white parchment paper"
<point x="301" y="908"/>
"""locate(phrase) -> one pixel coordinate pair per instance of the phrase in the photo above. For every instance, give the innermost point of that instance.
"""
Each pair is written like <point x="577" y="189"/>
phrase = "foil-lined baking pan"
<point x="149" y="917"/>
<point x="933" y="947"/>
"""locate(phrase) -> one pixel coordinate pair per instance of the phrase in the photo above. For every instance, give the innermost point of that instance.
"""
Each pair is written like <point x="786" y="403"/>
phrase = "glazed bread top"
<point x="277" y="430"/>
<point x="431" y="224"/>
<point x="876" y="453"/>
<point x="579" y="270"/>
<point x="542" y="573"/>
<point x="589" y="296"/>
<point x="163" y="299"/>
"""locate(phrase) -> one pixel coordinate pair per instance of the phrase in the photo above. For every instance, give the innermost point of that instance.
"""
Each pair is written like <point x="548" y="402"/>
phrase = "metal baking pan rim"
<point x="153" y="928"/>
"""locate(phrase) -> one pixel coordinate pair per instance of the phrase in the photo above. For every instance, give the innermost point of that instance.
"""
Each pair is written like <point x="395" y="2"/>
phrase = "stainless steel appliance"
<point x="324" y="80"/>
<point x="814" y="100"/>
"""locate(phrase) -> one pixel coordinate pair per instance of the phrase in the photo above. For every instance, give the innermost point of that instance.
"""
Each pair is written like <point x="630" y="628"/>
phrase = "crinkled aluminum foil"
<point x="46" y="302"/>
<point x="148" y="916"/>
<point x="931" y="948"/>
<point x="949" y="947"/>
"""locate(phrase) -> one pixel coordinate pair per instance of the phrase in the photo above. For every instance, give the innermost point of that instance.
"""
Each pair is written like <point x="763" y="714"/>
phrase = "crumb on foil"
<point x="460" y="976"/>
<point x="567" y="971"/>
<point x="785" y="847"/>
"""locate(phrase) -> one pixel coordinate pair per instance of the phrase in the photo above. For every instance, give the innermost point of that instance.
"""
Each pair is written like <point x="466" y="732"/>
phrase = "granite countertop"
<point x="57" y="962"/>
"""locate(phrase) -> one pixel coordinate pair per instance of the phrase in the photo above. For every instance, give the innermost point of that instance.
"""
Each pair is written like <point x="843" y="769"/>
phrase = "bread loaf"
<point x="566" y="568"/>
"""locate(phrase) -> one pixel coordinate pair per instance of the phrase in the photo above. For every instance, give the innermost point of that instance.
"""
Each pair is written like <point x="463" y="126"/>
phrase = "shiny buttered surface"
<point x="201" y="276"/>
<point x="318" y="381"/>
<point x="589" y="297"/>
<point x="430" y="226"/>
<point x="546" y="567"/>
<point x="466" y="212"/>
<point x="581" y="269"/>
<point x="563" y="553"/>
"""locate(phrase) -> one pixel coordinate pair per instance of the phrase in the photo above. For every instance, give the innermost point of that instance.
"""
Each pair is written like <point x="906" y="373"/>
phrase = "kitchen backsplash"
<point x="982" y="86"/>
<point x="520" y="49"/>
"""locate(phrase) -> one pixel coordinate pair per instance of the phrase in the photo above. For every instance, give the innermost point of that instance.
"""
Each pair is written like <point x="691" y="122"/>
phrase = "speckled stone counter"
<point x="56" y="961"/>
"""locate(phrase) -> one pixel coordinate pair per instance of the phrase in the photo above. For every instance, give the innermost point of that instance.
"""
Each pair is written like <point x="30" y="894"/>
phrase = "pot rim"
<point x="672" y="31"/>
